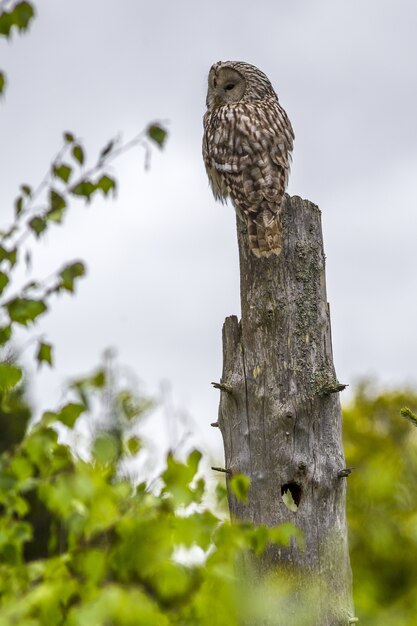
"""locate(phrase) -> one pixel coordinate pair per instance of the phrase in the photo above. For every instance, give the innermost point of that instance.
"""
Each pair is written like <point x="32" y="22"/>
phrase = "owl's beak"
<point x="218" y="101"/>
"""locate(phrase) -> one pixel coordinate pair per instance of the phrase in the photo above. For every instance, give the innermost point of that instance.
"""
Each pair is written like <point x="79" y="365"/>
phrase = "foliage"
<point x="14" y="16"/>
<point x="80" y="543"/>
<point x="382" y="504"/>
<point x="113" y="550"/>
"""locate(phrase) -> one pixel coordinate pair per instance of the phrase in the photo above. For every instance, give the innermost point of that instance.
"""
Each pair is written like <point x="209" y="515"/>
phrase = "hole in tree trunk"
<point x="291" y="495"/>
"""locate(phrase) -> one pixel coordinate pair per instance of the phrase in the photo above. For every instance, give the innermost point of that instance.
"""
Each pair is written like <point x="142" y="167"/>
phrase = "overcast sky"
<point x="162" y="258"/>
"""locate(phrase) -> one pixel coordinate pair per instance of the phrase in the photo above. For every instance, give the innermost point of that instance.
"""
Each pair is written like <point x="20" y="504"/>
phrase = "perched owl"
<point x="247" y="146"/>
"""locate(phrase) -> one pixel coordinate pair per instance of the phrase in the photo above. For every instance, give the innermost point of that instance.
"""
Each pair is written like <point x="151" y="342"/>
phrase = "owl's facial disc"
<point x="225" y="86"/>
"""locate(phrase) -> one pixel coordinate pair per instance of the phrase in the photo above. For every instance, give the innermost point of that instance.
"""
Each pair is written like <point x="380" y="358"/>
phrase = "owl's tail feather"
<point x="265" y="234"/>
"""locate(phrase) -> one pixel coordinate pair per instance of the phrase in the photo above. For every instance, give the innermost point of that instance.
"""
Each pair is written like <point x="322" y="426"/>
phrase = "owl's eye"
<point x="229" y="86"/>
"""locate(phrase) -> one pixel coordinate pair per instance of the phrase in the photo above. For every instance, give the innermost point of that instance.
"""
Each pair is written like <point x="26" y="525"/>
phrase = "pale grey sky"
<point x="162" y="258"/>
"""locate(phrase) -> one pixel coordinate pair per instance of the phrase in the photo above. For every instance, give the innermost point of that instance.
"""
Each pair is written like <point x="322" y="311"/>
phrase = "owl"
<point x="247" y="146"/>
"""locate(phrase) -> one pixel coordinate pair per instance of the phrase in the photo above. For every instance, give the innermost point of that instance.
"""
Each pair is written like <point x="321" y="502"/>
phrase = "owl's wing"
<point x="267" y="139"/>
<point x="222" y="148"/>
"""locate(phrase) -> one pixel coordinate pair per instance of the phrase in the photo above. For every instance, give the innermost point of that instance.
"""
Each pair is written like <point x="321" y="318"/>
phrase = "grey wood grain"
<point x="279" y="412"/>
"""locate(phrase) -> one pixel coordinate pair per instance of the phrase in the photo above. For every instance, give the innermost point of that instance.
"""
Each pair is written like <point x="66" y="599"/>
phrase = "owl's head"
<point x="236" y="81"/>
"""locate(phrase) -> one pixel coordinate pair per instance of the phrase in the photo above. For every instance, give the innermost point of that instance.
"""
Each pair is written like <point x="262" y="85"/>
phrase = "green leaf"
<point x="37" y="224"/>
<point x="284" y="533"/>
<point x="221" y="494"/>
<point x="22" y="468"/>
<point x="78" y="153"/>
<point x="2" y="82"/>
<point x="18" y="205"/>
<point x="6" y="23"/>
<point x="58" y="206"/>
<point x="259" y="539"/>
<point x="56" y="201"/>
<point x="133" y="445"/>
<point x="5" y="334"/>
<point x="44" y="354"/>
<point x="25" y="310"/>
<point x="289" y="501"/>
<point x="62" y="171"/>
<point x="105" y="449"/>
<point x="26" y="190"/>
<point x="240" y="484"/>
<point x="106" y="184"/>
<point x="409" y="415"/>
<point x="69" y="414"/>
<point x="19" y="17"/>
<point x="178" y="476"/>
<point x="8" y="255"/>
<point x="84" y="188"/>
<point x="157" y="134"/>
<point x="55" y="215"/>
<point x="195" y="529"/>
<point x="10" y="375"/>
<point x="69" y="137"/>
<point x="4" y="279"/>
<point x="22" y="14"/>
<point x="70" y="273"/>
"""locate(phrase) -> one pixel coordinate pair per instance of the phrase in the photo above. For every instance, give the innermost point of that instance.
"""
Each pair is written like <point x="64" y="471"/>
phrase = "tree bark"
<point x="280" y="414"/>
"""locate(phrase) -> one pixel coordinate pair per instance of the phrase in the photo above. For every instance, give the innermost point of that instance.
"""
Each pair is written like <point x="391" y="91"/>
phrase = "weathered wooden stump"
<point x="279" y="412"/>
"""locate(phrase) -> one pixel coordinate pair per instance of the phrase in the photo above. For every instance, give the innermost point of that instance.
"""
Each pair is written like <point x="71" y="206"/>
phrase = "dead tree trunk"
<point x="279" y="410"/>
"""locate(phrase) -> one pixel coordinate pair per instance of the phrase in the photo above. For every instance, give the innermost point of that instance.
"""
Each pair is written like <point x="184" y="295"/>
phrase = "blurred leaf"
<point x="26" y="190"/>
<point x="18" y="17"/>
<point x="25" y="310"/>
<point x="56" y="201"/>
<point x="21" y="467"/>
<point x="4" y="279"/>
<point x="98" y="380"/>
<point x="55" y="215"/>
<point x="9" y="255"/>
<point x="78" y="153"/>
<point x="382" y="502"/>
<point x="86" y="188"/>
<point x="5" y="334"/>
<point x="2" y="82"/>
<point x="178" y="476"/>
<point x="18" y="205"/>
<point x="69" y="414"/>
<point x="10" y="375"/>
<point x="196" y="529"/>
<point x="62" y="171"/>
<point x="70" y="273"/>
<point x="58" y="205"/>
<point x="221" y="494"/>
<point x="289" y="501"/>
<point x="157" y="134"/>
<point x="240" y="484"/>
<point x="44" y="354"/>
<point x="409" y="415"/>
<point x="22" y="14"/>
<point x="284" y="533"/>
<point x="106" y="184"/>
<point x="133" y="445"/>
<point x="6" y="23"/>
<point x="131" y="406"/>
<point x="105" y="449"/>
<point x="37" y="224"/>
<point x="69" y="137"/>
